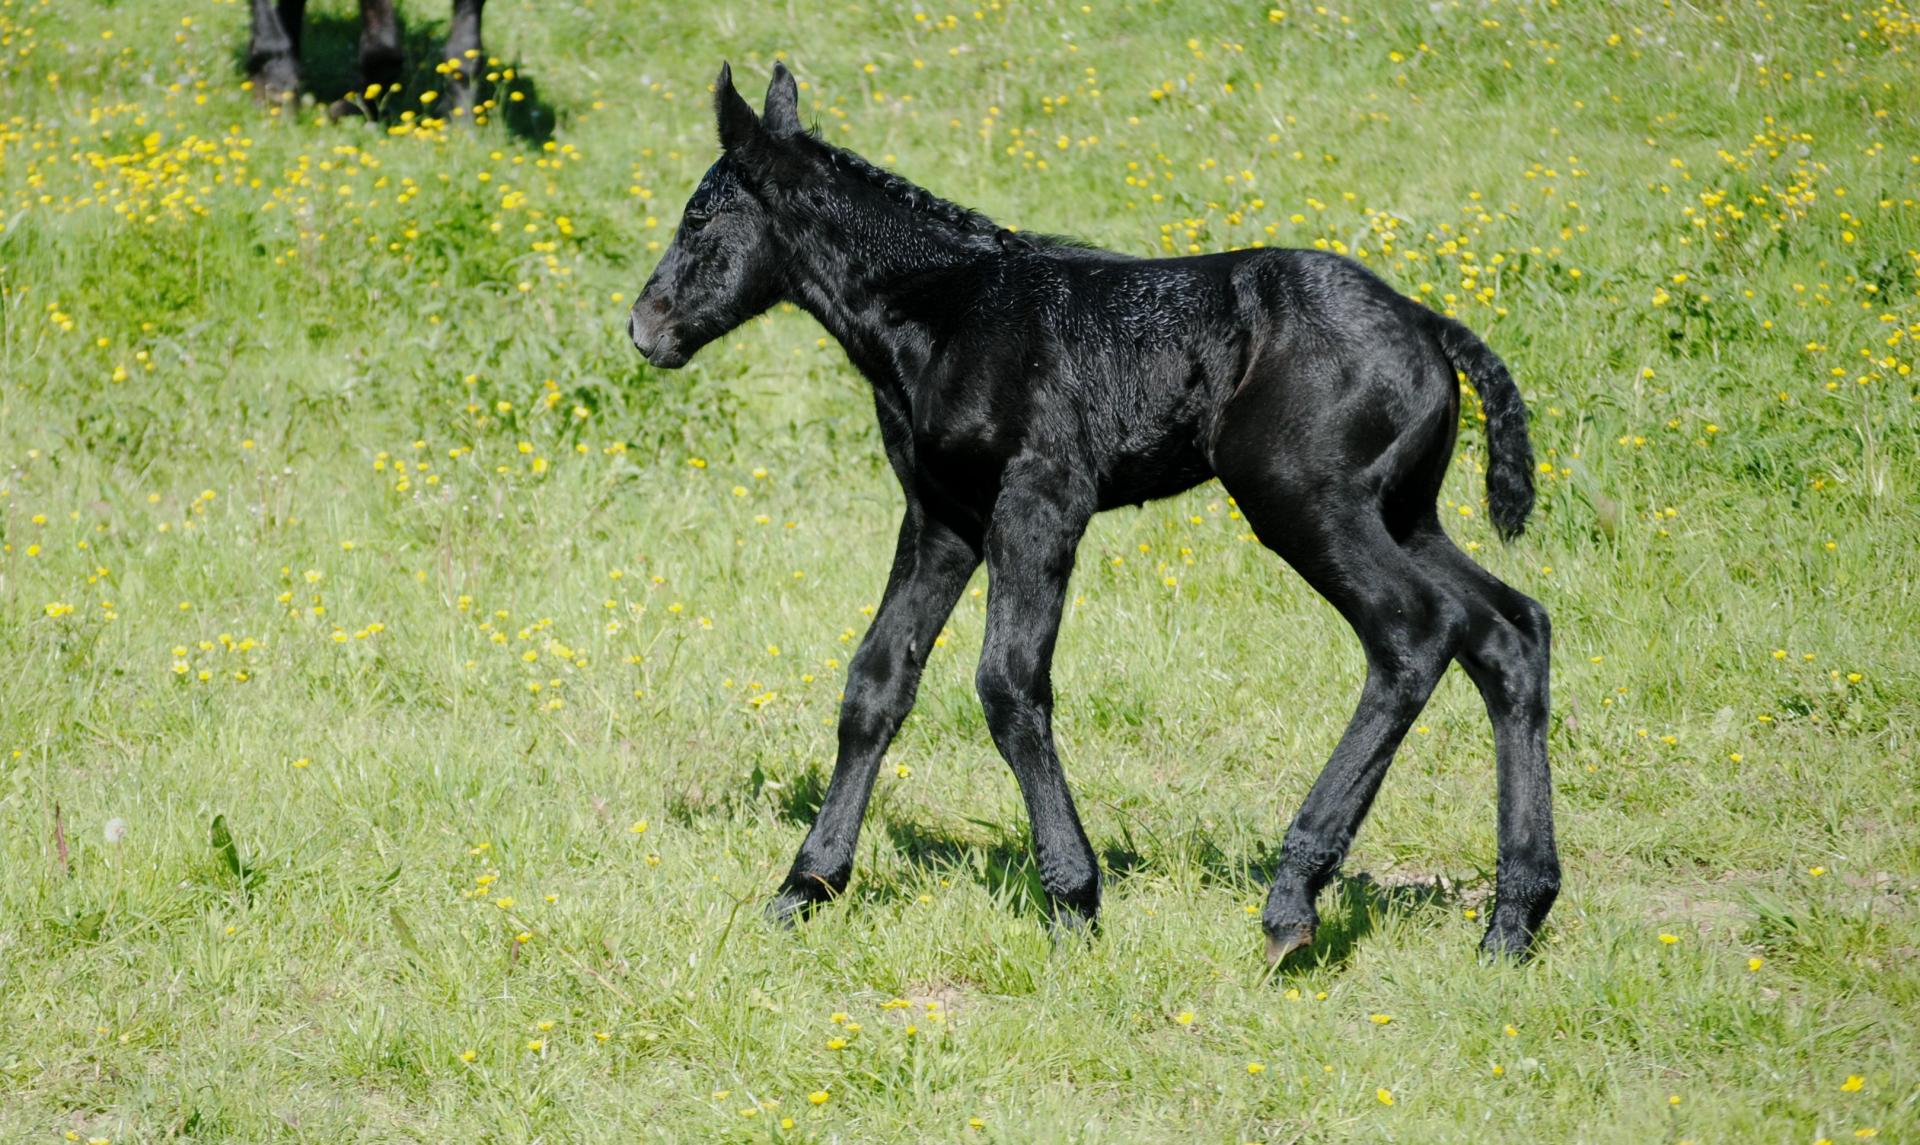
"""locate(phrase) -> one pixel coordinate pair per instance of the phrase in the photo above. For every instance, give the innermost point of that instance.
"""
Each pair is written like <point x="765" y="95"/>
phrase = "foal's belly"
<point x="1170" y="467"/>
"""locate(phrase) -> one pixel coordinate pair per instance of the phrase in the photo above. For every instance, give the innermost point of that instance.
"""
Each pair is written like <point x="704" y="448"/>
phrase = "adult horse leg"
<point x="931" y="565"/>
<point x="1036" y="526"/>
<point x="1505" y="651"/>
<point x="273" y="49"/>
<point x="464" y="57"/>
<point x="382" y="59"/>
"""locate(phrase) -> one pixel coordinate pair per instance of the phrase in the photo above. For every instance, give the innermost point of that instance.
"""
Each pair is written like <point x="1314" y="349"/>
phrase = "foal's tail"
<point x="1510" y="453"/>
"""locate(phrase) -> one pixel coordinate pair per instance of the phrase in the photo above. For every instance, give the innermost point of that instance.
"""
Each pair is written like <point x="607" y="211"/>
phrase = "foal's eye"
<point x="693" y="223"/>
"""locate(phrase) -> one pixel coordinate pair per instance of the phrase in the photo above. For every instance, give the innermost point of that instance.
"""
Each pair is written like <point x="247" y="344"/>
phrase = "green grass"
<point x="350" y="412"/>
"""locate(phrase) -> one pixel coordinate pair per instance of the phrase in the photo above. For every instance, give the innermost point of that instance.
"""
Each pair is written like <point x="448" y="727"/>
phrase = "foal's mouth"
<point x="658" y="346"/>
<point x="663" y="354"/>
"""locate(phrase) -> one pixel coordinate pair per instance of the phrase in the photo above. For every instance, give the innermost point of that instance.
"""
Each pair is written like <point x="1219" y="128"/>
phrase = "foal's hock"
<point x="1025" y="383"/>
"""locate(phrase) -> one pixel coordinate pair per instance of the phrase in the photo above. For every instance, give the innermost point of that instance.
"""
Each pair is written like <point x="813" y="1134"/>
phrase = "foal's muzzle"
<point x="648" y="327"/>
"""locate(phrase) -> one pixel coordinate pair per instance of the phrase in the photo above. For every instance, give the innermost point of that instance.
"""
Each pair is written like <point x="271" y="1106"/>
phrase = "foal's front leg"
<point x="1030" y="545"/>
<point x="931" y="565"/>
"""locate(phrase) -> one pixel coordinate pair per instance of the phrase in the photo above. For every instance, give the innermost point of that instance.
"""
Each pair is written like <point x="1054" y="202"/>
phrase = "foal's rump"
<point x="1353" y="385"/>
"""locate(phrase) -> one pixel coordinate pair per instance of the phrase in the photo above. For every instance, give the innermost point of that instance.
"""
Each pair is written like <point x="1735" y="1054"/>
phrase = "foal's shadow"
<point x="1003" y="867"/>
<point x="330" y="67"/>
<point x="1350" y="908"/>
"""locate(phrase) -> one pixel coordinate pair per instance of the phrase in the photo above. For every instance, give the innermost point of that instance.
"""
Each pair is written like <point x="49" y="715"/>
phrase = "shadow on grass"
<point x="1349" y="911"/>
<point x="329" y="61"/>
<point x="1003" y="865"/>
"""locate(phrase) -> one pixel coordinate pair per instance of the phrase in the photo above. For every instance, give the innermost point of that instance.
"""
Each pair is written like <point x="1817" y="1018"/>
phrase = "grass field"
<point x="413" y="697"/>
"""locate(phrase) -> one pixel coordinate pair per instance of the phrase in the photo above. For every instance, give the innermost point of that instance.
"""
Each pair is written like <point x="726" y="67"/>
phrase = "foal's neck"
<point x="855" y="268"/>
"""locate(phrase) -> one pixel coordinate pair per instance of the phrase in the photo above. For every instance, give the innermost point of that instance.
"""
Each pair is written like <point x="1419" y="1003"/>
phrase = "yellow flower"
<point x="818" y="1097"/>
<point x="1185" y="1017"/>
<point x="1380" y="1019"/>
<point x="1669" y="939"/>
<point x="1383" y="1095"/>
<point x="1256" y="1067"/>
<point x="1755" y="963"/>
<point x="1853" y="1083"/>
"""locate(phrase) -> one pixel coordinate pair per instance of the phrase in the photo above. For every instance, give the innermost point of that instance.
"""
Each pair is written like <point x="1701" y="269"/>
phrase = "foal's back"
<point x="1136" y="363"/>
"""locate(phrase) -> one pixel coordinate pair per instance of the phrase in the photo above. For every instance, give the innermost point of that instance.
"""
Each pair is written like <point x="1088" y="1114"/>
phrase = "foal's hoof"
<point x="1068" y="928"/>
<point x="1287" y="940"/>
<point x="1506" y="942"/>
<point x="788" y="908"/>
<point x="797" y="900"/>
<point x="275" y="91"/>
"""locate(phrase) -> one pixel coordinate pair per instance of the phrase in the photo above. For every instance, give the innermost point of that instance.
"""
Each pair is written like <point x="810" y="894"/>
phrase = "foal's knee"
<point x="1008" y="696"/>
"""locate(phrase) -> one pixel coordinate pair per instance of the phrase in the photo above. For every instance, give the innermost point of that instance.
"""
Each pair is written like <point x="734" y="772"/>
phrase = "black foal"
<point x="1024" y="384"/>
<point x="273" y="51"/>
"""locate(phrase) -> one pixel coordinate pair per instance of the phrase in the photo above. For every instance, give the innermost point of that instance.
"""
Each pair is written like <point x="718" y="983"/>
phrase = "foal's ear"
<point x="737" y="124"/>
<point x="781" y="116"/>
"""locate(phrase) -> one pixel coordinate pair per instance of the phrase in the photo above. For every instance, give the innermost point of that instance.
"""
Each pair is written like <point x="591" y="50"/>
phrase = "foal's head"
<point x="724" y="265"/>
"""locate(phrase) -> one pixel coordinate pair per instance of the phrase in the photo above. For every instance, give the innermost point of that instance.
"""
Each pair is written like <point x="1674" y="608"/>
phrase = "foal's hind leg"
<point x="1410" y="627"/>
<point x="1410" y="630"/>
<point x="1505" y="651"/>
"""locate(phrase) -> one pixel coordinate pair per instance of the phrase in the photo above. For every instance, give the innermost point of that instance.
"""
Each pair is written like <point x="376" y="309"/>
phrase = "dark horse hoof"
<point x="797" y="900"/>
<point x="276" y="83"/>
<point x="1506" y="941"/>
<point x="1068" y="926"/>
